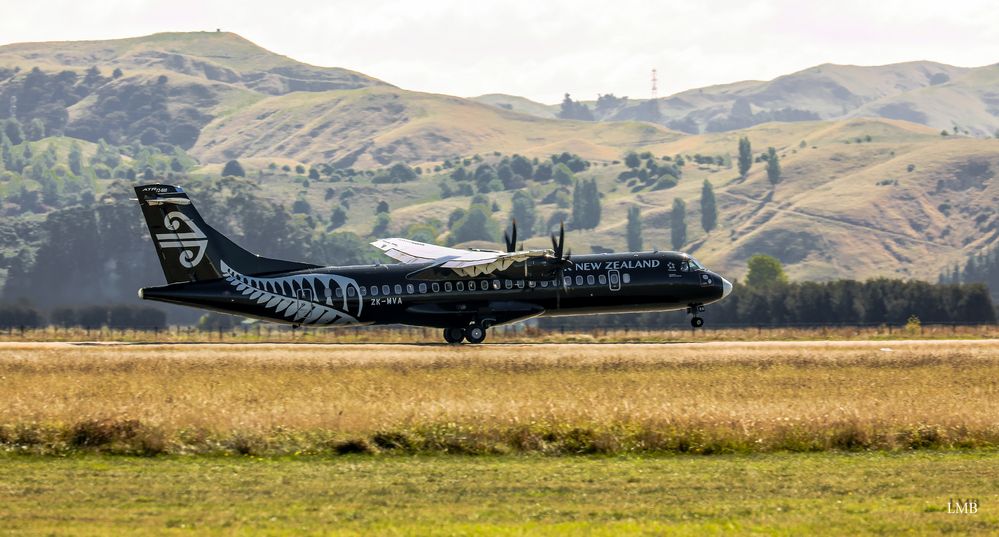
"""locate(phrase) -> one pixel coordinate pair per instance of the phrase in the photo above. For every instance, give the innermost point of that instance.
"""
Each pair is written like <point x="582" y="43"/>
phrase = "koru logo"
<point x="193" y="242"/>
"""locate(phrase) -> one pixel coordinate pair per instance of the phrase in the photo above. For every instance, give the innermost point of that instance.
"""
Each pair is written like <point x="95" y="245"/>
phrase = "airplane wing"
<point x="463" y="262"/>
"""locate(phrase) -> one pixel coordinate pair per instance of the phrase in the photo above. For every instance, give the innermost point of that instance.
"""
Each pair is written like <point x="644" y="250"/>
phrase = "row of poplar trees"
<point x="709" y="208"/>
<point x="678" y="219"/>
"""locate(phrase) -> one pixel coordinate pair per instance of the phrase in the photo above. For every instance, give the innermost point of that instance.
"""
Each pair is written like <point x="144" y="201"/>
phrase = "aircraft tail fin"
<point x="191" y="250"/>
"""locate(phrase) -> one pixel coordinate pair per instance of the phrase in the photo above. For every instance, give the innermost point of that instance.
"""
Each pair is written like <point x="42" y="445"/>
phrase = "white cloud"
<point x="541" y="49"/>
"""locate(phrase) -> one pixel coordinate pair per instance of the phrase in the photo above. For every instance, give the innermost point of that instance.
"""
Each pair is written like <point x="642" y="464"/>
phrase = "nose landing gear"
<point x="694" y="309"/>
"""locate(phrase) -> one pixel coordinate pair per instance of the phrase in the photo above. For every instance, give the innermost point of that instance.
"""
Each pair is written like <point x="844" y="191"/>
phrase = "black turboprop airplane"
<point x="462" y="291"/>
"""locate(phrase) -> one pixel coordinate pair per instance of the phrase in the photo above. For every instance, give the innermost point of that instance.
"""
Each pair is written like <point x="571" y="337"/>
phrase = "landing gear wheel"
<point x="475" y="334"/>
<point x="696" y="322"/>
<point x="454" y="335"/>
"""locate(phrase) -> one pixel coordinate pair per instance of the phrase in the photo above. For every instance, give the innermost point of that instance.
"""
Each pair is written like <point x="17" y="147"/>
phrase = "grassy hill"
<point x="860" y="196"/>
<point x="243" y="101"/>
<point x="843" y="208"/>
<point x="210" y="56"/>
<point x="937" y="95"/>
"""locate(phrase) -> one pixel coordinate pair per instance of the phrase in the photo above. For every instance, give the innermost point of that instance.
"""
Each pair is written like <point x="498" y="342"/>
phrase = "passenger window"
<point x="532" y="284"/>
<point x="520" y="284"/>
<point x="386" y="290"/>
<point x="626" y="278"/>
<point x="544" y="283"/>
<point x="483" y="285"/>
<point x="496" y="284"/>
<point x="568" y="281"/>
<point x="350" y="292"/>
<point x="508" y="284"/>
<point x="339" y="292"/>
<point x="398" y="289"/>
<point x="460" y="286"/>
<point x="614" y="278"/>
<point x="364" y="291"/>
<point x="579" y="280"/>
<point x="589" y="279"/>
<point x="471" y="286"/>
<point x="409" y="289"/>
<point x="374" y="290"/>
<point x="436" y="287"/>
<point x="447" y="287"/>
<point x="423" y="288"/>
<point x="603" y="279"/>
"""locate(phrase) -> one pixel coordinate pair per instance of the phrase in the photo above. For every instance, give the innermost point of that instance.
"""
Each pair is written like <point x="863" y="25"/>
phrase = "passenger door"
<point x="614" y="280"/>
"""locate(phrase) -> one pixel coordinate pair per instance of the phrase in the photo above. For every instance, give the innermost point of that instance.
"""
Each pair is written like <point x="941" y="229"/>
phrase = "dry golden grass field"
<point x="719" y="397"/>
<point x="806" y="437"/>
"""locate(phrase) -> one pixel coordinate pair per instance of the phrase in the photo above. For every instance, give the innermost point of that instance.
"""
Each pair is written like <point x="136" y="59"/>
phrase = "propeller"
<point x="558" y="246"/>
<point x="511" y="239"/>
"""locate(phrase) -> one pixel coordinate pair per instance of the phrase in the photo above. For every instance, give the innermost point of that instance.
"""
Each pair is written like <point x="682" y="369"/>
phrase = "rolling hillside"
<point x="933" y="94"/>
<point x="870" y="187"/>
<point x="239" y="100"/>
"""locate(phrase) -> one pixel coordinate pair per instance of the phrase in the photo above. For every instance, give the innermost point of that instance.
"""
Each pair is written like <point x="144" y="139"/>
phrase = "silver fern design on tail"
<point x="303" y="299"/>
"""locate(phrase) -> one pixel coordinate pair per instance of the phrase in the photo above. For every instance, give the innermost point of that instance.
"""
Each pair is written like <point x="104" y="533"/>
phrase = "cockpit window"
<point x="694" y="265"/>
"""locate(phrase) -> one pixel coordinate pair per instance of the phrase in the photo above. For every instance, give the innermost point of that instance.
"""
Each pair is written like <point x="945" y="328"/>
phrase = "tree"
<point x="313" y="174"/>
<point x="592" y="203"/>
<point x="634" y="229"/>
<point x="709" y="210"/>
<point x="745" y="156"/>
<point x="563" y="175"/>
<point x="574" y="110"/>
<point x="632" y="160"/>
<point x="35" y="130"/>
<point x="524" y="213"/>
<point x="543" y="172"/>
<point x="678" y="223"/>
<point x="586" y="204"/>
<point x="75" y="159"/>
<point x="12" y="129"/>
<point x="773" y="166"/>
<point x="475" y="225"/>
<point x="301" y="206"/>
<point x="233" y="168"/>
<point x="764" y="271"/>
<point x="338" y="217"/>
<point x="382" y="221"/>
<point x="382" y="207"/>
<point x="521" y="166"/>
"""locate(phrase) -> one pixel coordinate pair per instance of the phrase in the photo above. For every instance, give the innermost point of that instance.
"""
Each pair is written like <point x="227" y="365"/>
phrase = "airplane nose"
<point x="726" y="287"/>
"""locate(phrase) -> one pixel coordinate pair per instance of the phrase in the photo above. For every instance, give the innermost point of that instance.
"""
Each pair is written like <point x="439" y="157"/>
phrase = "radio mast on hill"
<point x="655" y="89"/>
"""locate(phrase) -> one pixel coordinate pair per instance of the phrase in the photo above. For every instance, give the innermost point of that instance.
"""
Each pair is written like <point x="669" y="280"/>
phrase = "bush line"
<point x="132" y="437"/>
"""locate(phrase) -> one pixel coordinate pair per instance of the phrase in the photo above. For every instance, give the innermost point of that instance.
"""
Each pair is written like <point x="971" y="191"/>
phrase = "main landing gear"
<point x="694" y="309"/>
<point x="473" y="333"/>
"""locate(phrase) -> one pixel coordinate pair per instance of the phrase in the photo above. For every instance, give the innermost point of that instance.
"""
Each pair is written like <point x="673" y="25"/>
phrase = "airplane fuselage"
<point x="385" y="294"/>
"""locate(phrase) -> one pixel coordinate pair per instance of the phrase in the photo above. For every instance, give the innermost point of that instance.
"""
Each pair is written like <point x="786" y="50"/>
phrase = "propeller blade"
<point x="511" y="239"/>
<point x="561" y="239"/>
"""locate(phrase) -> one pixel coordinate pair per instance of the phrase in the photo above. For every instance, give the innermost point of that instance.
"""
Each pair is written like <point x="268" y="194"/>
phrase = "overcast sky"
<point x="541" y="49"/>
